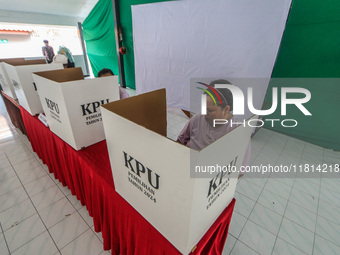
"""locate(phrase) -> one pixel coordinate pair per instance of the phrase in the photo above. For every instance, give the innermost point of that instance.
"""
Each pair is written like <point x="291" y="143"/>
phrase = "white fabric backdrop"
<point x="216" y="39"/>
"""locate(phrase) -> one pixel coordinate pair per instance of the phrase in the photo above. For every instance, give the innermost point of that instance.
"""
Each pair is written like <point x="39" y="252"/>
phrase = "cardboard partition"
<point x="71" y="104"/>
<point x="5" y="82"/>
<point x="152" y="172"/>
<point x="20" y="76"/>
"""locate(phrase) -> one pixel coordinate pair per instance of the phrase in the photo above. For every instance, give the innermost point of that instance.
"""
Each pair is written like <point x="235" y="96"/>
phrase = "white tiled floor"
<point x="289" y="215"/>
<point x="295" y="215"/>
<point x="35" y="209"/>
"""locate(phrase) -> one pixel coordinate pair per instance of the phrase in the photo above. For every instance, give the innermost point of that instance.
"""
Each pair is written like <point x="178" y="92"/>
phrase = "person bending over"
<point x="66" y="52"/>
<point x="107" y="72"/>
<point x="199" y="132"/>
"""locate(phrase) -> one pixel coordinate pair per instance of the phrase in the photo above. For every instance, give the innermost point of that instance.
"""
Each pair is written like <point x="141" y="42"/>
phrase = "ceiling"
<point x="71" y="8"/>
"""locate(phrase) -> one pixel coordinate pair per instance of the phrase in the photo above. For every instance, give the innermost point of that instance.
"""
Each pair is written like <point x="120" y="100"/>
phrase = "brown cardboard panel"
<point x="12" y="61"/>
<point x="147" y="110"/>
<point x="63" y="75"/>
<point x="187" y="113"/>
<point x="24" y="62"/>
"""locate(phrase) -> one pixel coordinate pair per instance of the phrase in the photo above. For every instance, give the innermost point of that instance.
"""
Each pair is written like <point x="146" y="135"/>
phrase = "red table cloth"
<point x="88" y="175"/>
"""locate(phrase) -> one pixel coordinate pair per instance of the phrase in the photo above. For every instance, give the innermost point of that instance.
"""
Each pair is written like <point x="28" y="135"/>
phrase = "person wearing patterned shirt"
<point x="48" y="52"/>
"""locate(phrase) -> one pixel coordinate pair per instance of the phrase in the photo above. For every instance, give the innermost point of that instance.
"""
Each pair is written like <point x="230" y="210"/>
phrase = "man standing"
<point x="48" y="52"/>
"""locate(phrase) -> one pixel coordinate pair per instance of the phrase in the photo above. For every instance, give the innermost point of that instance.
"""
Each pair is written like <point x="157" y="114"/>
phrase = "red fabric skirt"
<point x="87" y="173"/>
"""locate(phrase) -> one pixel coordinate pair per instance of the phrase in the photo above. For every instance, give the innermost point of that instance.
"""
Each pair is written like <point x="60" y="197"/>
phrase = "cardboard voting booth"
<point x="71" y="104"/>
<point x="5" y="82"/>
<point x="20" y="75"/>
<point x="153" y="173"/>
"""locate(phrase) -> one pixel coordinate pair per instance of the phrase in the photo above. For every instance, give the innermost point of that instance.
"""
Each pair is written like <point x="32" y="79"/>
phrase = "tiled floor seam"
<point x="237" y="238"/>
<point x="35" y="210"/>
<point x="317" y="214"/>
<point x="72" y="240"/>
<point x="56" y="182"/>
<point x="3" y="233"/>
<point x="80" y="216"/>
<point x="286" y="204"/>
<point x="317" y="209"/>
<point x="295" y="223"/>
<point x="88" y="224"/>
<point x="255" y="205"/>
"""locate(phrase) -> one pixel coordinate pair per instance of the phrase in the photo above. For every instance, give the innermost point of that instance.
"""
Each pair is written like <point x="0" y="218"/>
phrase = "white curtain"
<point x="209" y="39"/>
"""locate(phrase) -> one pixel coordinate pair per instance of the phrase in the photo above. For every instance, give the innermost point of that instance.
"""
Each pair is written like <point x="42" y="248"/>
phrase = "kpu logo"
<point x="92" y="107"/>
<point x="218" y="179"/>
<point x="52" y="105"/>
<point x="138" y="168"/>
<point x="15" y="84"/>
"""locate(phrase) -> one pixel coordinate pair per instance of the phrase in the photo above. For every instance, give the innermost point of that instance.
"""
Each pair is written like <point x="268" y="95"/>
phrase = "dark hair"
<point x="225" y="94"/>
<point x="45" y="41"/>
<point x="104" y="71"/>
<point x="70" y="64"/>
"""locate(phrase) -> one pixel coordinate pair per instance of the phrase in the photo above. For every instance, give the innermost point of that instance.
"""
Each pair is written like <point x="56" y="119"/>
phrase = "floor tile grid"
<point x="34" y="208"/>
<point x="253" y="157"/>
<point x="98" y="235"/>
<point x="2" y="233"/>
<point x="317" y="212"/>
<point x="268" y="209"/>
<point x="59" y="185"/>
<point x="277" y="236"/>
<point x="318" y="215"/>
<point x="299" y="206"/>
<point x="237" y="238"/>
<point x="67" y="196"/>
<point x="234" y="243"/>
<point x="316" y="235"/>
<point x="27" y="143"/>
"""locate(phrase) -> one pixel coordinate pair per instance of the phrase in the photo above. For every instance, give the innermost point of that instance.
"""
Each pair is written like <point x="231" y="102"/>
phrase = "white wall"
<point x="30" y="45"/>
<point x="37" y="18"/>
<point x="178" y="40"/>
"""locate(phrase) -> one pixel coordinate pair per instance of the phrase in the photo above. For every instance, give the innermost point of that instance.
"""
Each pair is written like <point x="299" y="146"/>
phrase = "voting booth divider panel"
<point x="154" y="173"/>
<point x="5" y="82"/>
<point x="20" y="76"/>
<point x="72" y="104"/>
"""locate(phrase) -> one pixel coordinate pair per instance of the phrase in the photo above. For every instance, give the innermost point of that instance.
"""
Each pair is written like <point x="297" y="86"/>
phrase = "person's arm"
<point x="122" y="93"/>
<point x="184" y="135"/>
<point x="44" y="51"/>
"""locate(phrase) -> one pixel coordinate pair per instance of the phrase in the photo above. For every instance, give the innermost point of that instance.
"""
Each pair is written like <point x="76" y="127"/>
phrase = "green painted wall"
<point x="98" y="29"/>
<point x="310" y="48"/>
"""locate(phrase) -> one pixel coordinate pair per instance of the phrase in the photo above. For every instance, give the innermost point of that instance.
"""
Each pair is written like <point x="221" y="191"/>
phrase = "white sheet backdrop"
<point x="178" y="40"/>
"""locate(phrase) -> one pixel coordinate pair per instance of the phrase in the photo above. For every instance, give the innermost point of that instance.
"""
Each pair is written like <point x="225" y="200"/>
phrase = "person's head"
<point x="218" y="110"/>
<point x="45" y="42"/>
<point x="105" y="72"/>
<point x="63" y="50"/>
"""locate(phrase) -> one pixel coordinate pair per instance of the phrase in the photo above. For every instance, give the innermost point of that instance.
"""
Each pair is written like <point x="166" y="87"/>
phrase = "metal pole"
<point x="116" y="20"/>
<point x="80" y="29"/>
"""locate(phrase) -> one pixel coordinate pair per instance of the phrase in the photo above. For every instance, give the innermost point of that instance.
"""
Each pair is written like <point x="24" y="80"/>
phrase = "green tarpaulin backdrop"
<point x="98" y="30"/>
<point x="310" y="48"/>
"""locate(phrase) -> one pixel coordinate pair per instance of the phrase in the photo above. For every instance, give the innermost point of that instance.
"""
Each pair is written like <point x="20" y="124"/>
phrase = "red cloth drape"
<point x="87" y="173"/>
